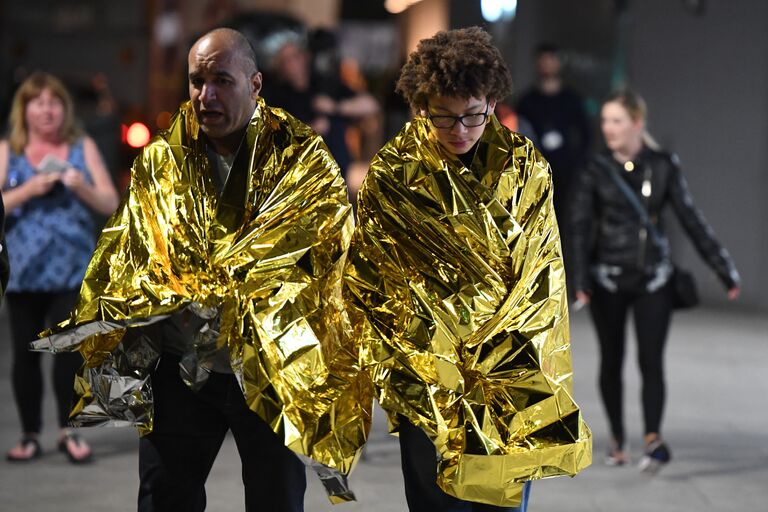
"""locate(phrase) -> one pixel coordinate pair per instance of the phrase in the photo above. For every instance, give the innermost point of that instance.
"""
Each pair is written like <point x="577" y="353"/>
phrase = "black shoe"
<point x="657" y="455"/>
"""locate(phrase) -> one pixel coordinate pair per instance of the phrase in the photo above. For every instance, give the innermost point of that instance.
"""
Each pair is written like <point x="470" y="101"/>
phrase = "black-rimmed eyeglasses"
<point x="468" y="120"/>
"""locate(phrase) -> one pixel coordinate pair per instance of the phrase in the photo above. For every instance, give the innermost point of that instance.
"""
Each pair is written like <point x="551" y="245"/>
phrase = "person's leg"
<point x="652" y="313"/>
<point x="609" y="315"/>
<point x="274" y="477"/>
<point x="26" y="313"/>
<point x="175" y="459"/>
<point x="65" y="364"/>
<point x="419" y="463"/>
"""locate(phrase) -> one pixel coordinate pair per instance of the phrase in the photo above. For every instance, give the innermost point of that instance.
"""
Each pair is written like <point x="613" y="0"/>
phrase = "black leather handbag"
<point x="685" y="293"/>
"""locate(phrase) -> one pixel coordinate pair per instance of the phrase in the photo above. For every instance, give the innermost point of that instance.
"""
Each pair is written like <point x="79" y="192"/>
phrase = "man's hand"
<point x="323" y="104"/>
<point x="321" y="125"/>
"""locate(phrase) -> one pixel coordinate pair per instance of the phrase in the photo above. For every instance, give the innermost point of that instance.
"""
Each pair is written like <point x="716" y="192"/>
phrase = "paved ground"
<point x="716" y="424"/>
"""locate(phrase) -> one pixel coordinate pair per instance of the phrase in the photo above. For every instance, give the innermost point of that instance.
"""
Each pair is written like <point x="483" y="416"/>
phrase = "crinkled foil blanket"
<point x="260" y="266"/>
<point x="457" y="290"/>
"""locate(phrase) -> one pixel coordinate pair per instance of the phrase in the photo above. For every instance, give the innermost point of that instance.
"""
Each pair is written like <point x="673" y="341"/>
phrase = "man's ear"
<point x="256" y="84"/>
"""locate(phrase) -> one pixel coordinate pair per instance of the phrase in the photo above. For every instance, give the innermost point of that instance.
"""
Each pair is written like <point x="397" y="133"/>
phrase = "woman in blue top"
<point x="4" y="268"/>
<point x="52" y="178"/>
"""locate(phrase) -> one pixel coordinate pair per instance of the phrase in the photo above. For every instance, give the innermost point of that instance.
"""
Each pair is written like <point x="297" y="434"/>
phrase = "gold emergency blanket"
<point x="258" y="270"/>
<point x="456" y="287"/>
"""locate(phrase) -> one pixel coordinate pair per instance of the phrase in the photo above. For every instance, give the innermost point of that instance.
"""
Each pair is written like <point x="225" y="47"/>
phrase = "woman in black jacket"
<point x="621" y="262"/>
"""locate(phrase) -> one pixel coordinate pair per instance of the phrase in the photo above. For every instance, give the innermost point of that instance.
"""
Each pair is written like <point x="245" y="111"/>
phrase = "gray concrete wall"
<point x="706" y="83"/>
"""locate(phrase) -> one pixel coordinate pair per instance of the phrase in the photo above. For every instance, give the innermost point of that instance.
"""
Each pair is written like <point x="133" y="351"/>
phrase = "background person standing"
<point x="620" y="265"/>
<point x="4" y="267"/>
<point x="558" y="117"/>
<point x="53" y="178"/>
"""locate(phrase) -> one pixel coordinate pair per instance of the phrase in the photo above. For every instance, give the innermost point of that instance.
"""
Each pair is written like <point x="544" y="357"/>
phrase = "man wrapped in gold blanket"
<point x="225" y="263"/>
<point x="456" y="287"/>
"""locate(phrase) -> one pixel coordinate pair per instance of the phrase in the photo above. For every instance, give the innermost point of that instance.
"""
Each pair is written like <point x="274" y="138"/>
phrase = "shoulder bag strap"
<point x="633" y="199"/>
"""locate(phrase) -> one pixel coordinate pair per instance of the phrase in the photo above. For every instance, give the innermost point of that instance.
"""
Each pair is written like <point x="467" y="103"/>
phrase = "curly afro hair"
<point x="459" y="63"/>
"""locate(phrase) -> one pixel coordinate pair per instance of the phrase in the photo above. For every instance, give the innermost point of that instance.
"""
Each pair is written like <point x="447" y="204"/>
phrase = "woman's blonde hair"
<point x="30" y="89"/>
<point x="636" y="108"/>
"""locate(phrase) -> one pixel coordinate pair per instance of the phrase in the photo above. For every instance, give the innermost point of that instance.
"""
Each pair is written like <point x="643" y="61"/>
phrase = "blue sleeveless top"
<point x="50" y="239"/>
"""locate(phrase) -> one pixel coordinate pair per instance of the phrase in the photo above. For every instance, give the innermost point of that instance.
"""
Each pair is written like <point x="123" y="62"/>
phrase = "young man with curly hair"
<point x="456" y="287"/>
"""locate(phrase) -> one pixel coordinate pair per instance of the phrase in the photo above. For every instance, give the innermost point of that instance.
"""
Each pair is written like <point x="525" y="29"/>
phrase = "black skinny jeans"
<point x="31" y="313"/>
<point x="419" y="462"/>
<point x="189" y="427"/>
<point x="652" y="313"/>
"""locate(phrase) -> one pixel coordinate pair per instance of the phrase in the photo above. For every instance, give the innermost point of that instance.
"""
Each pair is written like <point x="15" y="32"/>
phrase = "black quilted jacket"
<point x="606" y="229"/>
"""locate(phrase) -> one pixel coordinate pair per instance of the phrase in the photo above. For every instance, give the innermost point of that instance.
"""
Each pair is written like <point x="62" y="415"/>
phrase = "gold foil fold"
<point x="457" y="290"/>
<point x="260" y="267"/>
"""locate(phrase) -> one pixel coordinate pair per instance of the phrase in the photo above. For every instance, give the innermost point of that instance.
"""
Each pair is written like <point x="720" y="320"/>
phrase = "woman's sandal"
<point x="64" y="447"/>
<point x="25" y="444"/>
<point x="616" y="458"/>
<point x="616" y="455"/>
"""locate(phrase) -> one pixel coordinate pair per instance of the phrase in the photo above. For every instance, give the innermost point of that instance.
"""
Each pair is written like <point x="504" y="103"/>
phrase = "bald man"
<point x="190" y="424"/>
<point x="223" y="86"/>
<point x="215" y="292"/>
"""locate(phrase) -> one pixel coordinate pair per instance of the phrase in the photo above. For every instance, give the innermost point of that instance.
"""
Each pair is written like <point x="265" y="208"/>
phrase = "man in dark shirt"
<point x="559" y="121"/>
<point x="212" y="302"/>
<point x="327" y="105"/>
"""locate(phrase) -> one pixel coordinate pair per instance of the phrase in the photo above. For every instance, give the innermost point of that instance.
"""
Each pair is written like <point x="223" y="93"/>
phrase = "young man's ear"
<point x="491" y="110"/>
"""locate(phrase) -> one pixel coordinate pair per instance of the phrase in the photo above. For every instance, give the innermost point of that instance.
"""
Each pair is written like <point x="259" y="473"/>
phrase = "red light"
<point x="137" y="135"/>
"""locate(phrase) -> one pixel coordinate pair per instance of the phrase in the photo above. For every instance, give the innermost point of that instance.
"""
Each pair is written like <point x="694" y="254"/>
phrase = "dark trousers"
<point x="189" y="428"/>
<point x="652" y="314"/>
<point x="419" y="461"/>
<point x="30" y="314"/>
